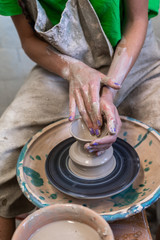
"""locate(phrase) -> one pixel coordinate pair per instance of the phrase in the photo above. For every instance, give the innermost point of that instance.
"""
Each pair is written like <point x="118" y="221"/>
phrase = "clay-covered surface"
<point x="142" y="193"/>
<point x="101" y="185"/>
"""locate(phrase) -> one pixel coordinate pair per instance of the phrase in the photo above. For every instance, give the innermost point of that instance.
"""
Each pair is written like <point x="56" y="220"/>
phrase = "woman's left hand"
<point x="112" y="118"/>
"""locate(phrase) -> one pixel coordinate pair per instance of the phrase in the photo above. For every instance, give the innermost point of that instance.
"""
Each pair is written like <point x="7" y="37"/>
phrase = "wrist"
<point x="72" y="68"/>
<point x="108" y="92"/>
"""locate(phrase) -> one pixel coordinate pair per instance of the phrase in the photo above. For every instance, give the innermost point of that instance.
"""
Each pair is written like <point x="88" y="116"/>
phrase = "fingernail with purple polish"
<point x="89" y="147"/>
<point x="70" y="118"/>
<point x="95" y="144"/>
<point x="98" y="123"/>
<point x="90" y="151"/>
<point x="91" y="131"/>
<point x="117" y="84"/>
<point x="113" y="130"/>
<point x="97" y="132"/>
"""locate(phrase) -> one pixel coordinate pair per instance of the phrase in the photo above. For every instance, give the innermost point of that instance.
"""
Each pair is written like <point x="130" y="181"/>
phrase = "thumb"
<point x="108" y="81"/>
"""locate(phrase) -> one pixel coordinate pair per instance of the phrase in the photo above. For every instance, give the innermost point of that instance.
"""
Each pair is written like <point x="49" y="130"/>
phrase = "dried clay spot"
<point x="4" y="202"/>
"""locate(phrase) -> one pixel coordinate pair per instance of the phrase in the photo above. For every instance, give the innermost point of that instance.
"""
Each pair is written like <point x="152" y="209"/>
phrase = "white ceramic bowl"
<point x="60" y="212"/>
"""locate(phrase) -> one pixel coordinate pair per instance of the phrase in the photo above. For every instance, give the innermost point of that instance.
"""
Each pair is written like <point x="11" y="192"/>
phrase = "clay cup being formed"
<point x="84" y="164"/>
<point x="80" y="132"/>
<point x="60" y="212"/>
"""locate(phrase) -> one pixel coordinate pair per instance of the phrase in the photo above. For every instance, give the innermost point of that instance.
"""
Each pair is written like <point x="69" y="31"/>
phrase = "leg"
<point x="42" y="100"/>
<point x="143" y="104"/>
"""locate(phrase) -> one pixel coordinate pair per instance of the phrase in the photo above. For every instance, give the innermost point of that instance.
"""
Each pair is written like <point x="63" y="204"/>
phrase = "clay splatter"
<point x="42" y="198"/>
<point x="125" y="198"/>
<point x="53" y="196"/>
<point x="146" y="169"/>
<point x="36" y="180"/>
<point x="143" y="138"/>
<point x="70" y="201"/>
<point x="144" y="191"/>
<point x="150" y="143"/>
<point x="143" y="194"/>
<point x="125" y="134"/>
<point x="85" y="205"/>
<point x="38" y="157"/>
<point x="150" y="162"/>
<point x="139" y="137"/>
<point x="31" y="157"/>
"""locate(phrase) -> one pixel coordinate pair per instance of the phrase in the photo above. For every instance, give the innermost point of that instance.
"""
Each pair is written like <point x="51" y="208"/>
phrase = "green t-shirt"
<point x="108" y="11"/>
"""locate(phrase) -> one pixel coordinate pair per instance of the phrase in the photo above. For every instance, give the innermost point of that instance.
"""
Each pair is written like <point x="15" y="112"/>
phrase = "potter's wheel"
<point x="143" y="192"/>
<point x="122" y="176"/>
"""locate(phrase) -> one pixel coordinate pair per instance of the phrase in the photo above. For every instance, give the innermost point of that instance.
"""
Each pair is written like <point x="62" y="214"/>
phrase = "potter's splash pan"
<point x="142" y="193"/>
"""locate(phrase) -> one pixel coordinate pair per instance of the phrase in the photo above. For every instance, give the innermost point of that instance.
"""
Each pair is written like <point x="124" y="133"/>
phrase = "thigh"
<point x="41" y="100"/>
<point x="143" y="103"/>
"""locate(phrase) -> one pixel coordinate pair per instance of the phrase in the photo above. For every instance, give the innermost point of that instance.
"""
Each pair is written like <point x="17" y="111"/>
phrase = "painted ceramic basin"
<point x="141" y="194"/>
<point x="63" y="212"/>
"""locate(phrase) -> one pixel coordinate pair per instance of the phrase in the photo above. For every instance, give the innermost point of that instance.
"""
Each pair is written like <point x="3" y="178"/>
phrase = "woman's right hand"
<point x="84" y="92"/>
<point x="113" y="122"/>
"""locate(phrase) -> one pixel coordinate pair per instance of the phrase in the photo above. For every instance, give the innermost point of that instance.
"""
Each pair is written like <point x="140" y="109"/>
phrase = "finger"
<point x="87" y="100"/>
<point x="109" y="139"/>
<point x="72" y="104"/>
<point x="92" y="108"/>
<point x="72" y="108"/>
<point x="100" y="149"/>
<point x="95" y="103"/>
<point x="82" y="110"/>
<point x="111" y="82"/>
<point x="118" y="120"/>
<point x="109" y="112"/>
<point x="97" y="147"/>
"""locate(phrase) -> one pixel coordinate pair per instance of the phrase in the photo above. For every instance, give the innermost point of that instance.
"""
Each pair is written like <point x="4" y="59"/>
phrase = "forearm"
<point x="126" y="53"/>
<point x="47" y="57"/>
<point x="130" y="45"/>
<point x="40" y="51"/>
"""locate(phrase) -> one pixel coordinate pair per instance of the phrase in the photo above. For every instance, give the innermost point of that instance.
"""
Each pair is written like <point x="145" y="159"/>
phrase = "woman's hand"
<point x="112" y="118"/>
<point x="84" y="92"/>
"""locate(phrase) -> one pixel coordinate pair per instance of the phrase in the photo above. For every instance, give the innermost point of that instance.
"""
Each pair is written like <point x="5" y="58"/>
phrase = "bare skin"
<point x="84" y="92"/>
<point x="7" y="228"/>
<point x="84" y="81"/>
<point x="125" y="56"/>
